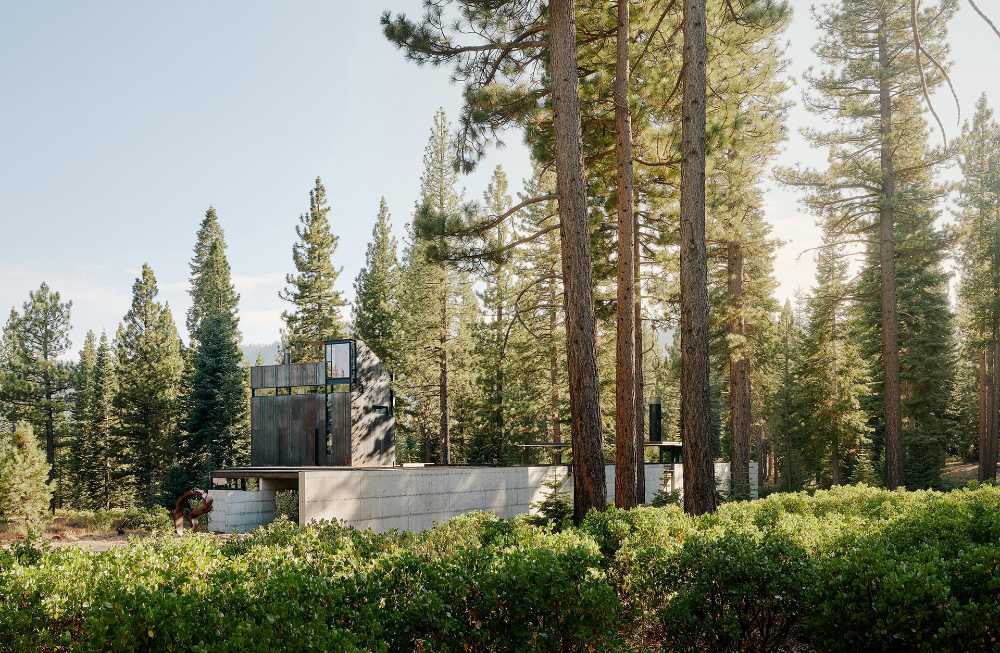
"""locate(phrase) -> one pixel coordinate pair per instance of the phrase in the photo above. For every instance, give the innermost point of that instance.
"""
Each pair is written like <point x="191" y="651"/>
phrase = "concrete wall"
<point x="414" y="499"/>
<point x="239" y="511"/>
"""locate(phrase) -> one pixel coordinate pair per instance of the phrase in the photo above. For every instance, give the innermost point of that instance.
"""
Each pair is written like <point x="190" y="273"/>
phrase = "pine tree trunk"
<point x="990" y="471"/>
<point x="499" y="415"/>
<point x="640" y="395"/>
<point x="739" y="379"/>
<point x="589" y="489"/>
<point x="762" y="458"/>
<point x="443" y="399"/>
<point x="835" y="478"/>
<point x="887" y="261"/>
<point x="982" y="380"/>
<point x="699" y="472"/>
<point x="428" y="448"/>
<point x="786" y="475"/>
<point x="835" y="445"/>
<point x="554" y="418"/>
<point x="625" y="460"/>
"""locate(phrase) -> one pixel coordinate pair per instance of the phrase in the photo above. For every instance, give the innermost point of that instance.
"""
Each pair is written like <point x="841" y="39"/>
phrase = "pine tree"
<point x="24" y="490"/>
<point x="628" y="452"/>
<point x="315" y="316"/>
<point x="431" y="280"/>
<point x="494" y="339"/>
<point x="515" y="22"/>
<point x="979" y="262"/>
<point x="100" y="465"/>
<point x="537" y="406"/>
<point x="149" y="367"/>
<point x="832" y="377"/>
<point x="83" y="394"/>
<point x="375" y="289"/>
<point x="37" y="382"/>
<point x="8" y="381"/>
<point x="217" y="406"/>
<point x="878" y="162"/>
<point x="206" y="292"/>
<point x="785" y="425"/>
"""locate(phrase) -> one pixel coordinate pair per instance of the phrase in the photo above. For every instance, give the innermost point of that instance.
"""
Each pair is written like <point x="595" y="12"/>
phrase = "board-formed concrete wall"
<point x="239" y="511"/>
<point x="415" y="498"/>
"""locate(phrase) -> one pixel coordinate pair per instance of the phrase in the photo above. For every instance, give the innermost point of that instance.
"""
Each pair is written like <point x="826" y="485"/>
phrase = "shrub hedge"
<point x="850" y="569"/>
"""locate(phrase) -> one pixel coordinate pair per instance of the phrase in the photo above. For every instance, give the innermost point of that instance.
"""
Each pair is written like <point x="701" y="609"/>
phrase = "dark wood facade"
<point x="301" y="418"/>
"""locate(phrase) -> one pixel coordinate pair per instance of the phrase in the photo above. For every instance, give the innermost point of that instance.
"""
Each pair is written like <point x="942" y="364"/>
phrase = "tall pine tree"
<point x="979" y="263"/>
<point x="876" y="183"/>
<point x="215" y="435"/>
<point x="37" y="381"/>
<point x="149" y="368"/>
<point x="83" y="394"/>
<point x="375" y="290"/>
<point x="315" y="316"/>
<point x="100" y="450"/>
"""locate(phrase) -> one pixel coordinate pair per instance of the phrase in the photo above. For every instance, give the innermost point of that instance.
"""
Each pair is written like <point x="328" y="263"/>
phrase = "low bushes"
<point x="151" y="520"/>
<point x="852" y="569"/>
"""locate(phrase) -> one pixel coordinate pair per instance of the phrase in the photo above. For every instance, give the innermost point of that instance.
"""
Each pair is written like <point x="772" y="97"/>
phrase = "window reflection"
<point x="338" y="360"/>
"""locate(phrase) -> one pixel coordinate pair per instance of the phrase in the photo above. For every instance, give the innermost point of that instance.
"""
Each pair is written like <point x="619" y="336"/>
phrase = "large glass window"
<point x="338" y="360"/>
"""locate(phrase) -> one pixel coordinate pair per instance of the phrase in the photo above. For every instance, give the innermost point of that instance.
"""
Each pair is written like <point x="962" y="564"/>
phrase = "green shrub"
<point x="555" y="510"/>
<point x="286" y="504"/>
<point x="24" y="489"/>
<point x="736" y="592"/>
<point x="849" y="569"/>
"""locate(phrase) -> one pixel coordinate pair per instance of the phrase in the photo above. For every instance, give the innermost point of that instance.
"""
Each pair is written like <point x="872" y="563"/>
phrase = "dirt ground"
<point x="61" y="533"/>
<point x="958" y="472"/>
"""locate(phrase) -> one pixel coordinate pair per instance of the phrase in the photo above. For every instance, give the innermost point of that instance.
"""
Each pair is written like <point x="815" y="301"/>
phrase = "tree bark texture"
<point x="501" y="377"/>
<point x="625" y="450"/>
<point x="589" y="489"/>
<point x="982" y="379"/>
<point x="887" y="262"/>
<point x="739" y="379"/>
<point x="554" y="416"/>
<point x="990" y="468"/>
<point x="640" y="394"/>
<point x="699" y="472"/>
<point x="443" y="400"/>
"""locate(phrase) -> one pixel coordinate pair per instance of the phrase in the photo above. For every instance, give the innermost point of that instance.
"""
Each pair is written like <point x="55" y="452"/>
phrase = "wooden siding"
<point x="286" y="429"/>
<point x="339" y="409"/>
<point x="283" y="376"/>
<point x="291" y="430"/>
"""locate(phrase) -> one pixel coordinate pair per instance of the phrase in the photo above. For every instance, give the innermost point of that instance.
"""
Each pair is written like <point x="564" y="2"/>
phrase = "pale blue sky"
<point x="122" y="121"/>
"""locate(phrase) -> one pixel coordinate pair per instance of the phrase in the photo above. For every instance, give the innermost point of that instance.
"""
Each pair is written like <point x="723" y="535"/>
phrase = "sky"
<point x="121" y="122"/>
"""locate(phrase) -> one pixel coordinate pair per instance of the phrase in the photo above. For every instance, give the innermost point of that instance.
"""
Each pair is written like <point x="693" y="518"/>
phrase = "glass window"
<point x="263" y="392"/>
<point x="283" y="391"/>
<point x="338" y="360"/>
<point x="338" y="387"/>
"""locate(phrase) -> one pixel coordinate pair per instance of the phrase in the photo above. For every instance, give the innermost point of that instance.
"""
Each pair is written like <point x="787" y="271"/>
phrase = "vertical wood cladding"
<point x="296" y="422"/>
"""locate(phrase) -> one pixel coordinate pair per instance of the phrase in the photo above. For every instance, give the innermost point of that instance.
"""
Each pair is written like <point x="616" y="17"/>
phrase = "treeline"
<point x="636" y="263"/>
<point x="670" y="294"/>
<point x="139" y="416"/>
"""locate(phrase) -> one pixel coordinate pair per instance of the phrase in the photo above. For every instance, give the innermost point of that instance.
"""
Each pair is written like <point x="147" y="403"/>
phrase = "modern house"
<point x="327" y="429"/>
<point x="338" y="412"/>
